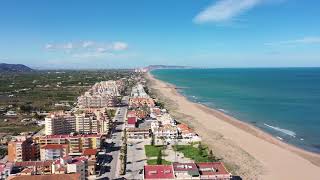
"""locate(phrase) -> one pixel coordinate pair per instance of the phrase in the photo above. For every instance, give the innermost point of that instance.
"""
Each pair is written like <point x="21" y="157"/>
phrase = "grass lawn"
<point x="154" y="162"/>
<point x="152" y="151"/>
<point x="193" y="152"/>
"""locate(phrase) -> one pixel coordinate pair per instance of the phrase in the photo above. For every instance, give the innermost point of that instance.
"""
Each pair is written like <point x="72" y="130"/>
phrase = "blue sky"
<point x="120" y="34"/>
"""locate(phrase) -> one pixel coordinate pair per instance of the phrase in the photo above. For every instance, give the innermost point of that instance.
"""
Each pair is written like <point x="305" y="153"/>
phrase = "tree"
<point x="152" y="140"/>
<point x="159" y="158"/>
<point x="211" y="157"/>
<point x="200" y="147"/>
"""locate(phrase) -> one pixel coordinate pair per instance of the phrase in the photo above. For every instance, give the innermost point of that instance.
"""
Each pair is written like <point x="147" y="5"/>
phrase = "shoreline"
<point x="272" y="158"/>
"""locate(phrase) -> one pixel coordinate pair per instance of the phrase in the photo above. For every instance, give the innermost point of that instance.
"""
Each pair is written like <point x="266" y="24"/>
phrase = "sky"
<point x="76" y="34"/>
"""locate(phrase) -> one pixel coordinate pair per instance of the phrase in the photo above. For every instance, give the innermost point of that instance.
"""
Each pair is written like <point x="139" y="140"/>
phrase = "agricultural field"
<point x="24" y="94"/>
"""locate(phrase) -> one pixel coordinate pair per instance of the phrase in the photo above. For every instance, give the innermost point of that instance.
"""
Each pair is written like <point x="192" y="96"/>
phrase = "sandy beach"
<point x="246" y="150"/>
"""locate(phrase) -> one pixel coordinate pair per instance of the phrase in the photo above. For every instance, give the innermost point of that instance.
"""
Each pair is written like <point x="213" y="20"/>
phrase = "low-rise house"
<point x="158" y="172"/>
<point x="213" y="170"/>
<point x="90" y="153"/>
<point x="166" y="119"/>
<point x="138" y="133"/>
<point x="131" y="123"/>
<point x="47" y="177"/>
<point x="166" y="131"/>
<point x="137" y="102"/>
<point x="186" y="171"/>
<point x="187" y="133"/>
<point x="5" y="170"/>
<point x="38" y="167"/>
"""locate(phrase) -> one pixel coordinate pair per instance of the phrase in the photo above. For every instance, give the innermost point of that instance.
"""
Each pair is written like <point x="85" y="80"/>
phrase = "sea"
<point x="284" y="102"/>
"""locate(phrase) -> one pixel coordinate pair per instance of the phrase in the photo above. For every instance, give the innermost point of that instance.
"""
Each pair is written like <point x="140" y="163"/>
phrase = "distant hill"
<point x="14" y="68"/>
<point x="151" y="67"/>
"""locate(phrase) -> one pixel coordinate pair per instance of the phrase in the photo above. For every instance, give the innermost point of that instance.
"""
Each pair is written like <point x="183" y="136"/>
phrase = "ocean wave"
<point x="285" y="131"/>
<point x="223" y="110"/>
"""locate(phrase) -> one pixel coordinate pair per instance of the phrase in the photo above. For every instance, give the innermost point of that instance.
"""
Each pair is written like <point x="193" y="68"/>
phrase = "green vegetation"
<point x="159" y="158"/>
<point x="198" y="154"/>
<point x="152" y="151"/>
<point x="152" y="140"/>
<point x="155" y="162"/>
<point x="111" y="113"/>
<point x="3" y="152"/>
<point x="27" y="93"/>
<point x="16" y="129"/>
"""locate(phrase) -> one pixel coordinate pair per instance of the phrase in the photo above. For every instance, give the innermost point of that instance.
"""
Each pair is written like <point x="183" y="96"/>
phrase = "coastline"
<point x="253" y="153"/>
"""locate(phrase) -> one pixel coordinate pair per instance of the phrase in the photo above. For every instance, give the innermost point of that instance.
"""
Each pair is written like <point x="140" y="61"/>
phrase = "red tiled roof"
<point x="131" y="113"/>
<point x="88" y="152"/>
<point x="132" y="120"/>
<point x="184" y="166"/>
<point x="75" y="176"/>
<point x="212" y="168"/>
<point x="54" y="146"/>
<point x="158" y="172"/>
<point x="70" y="136"/>
<point x="33" y="163"/>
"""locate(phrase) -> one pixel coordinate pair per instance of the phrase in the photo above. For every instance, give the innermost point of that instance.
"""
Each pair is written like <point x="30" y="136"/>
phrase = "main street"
<point x="112" y="145"/>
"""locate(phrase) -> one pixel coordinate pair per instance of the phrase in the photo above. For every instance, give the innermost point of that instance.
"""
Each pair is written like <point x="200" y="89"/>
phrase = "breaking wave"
<point x="285" y="131"/>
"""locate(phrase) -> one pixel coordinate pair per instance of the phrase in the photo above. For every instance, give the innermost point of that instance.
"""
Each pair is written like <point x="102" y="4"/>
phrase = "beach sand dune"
<point x="247" y="151"/>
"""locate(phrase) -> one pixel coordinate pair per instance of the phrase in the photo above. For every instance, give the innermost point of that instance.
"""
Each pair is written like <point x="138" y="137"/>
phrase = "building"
<point x="137" y="102"/>
<point x="155" y="172"/>
<point x="61" y="166"/>
<point x="213" y="170"/>
<point x="186" y="171"/>
<point x="166" y="118"/>
<point x="102" y="94"/>
<point x="23" y="150"/>
<point x="47" y="177"/>
<point x="138" y="133"/>
<point x="187" y="133"/>
<point x="53" y="151"/>
<point x="138" y="91"/>
<point x="36" y="167"/>
<point x="166" y="131"/>
<point x="78" y="165"/>
<point x="96" y="100"/>
<point x="87" y="123"/>
<point x="76" y="143"/>
<point x="60" y="123"/>
<point x="131" y="123"/>
<point x="5" y="170"/>
<point x="90" y="153"/>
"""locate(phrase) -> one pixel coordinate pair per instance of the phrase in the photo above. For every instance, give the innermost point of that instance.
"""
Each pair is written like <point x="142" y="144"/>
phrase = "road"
<point x="136" y="158"/>
<point x="110" y="170"/>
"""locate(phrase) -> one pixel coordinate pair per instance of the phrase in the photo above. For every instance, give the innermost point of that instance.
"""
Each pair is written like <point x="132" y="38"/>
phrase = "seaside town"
<point x="109" y="135"/>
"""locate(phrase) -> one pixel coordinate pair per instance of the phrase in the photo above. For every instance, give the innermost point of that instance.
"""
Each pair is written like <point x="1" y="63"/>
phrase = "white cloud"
<point x="225" y="10"/>
<point x="87" y="49"/>
<point x="118" y="46"/>
<point x="48" y="46"/>
<point x="90" y="55"/>
<point x="304" y="40"/>
<point x="87" y="44"/>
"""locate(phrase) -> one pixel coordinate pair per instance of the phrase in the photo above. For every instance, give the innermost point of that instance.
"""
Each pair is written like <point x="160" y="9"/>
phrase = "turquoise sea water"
<point x="284" y="102"/>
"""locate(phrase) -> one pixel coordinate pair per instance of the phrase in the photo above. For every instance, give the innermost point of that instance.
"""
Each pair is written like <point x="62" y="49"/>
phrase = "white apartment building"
<point x="87" y="123"/>
<point x="138" y="91"/>
<point x="60" y="123"/>
<point x="101" y="94"/>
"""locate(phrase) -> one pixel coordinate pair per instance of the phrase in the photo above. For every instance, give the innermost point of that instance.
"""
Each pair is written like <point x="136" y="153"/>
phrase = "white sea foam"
<point x="279" y="138"/>
<point x="222" y="110"/>
<point x="285" y="131"/>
